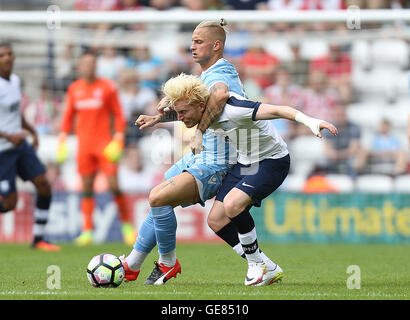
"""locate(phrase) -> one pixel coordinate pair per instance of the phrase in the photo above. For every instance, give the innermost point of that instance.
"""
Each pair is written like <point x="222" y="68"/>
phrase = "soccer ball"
<point x="105" y="270"/>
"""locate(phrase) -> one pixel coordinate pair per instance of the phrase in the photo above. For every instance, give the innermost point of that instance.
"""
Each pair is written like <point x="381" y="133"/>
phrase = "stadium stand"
<point x="402" y="183"/>
<point x="374" y="183"/>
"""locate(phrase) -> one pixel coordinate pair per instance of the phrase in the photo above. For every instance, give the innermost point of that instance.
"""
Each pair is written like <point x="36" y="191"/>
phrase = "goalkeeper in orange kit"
<point x="93" y="102"/>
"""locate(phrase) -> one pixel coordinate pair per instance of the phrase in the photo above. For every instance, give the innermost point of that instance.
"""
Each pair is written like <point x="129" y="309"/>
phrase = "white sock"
<point x="135" y="259"/>
<point x="40" y="222"/>
<point x="269" y="263"/>
<point x="168" y="259"/>
<point x="238" y="249"/>
<point x="249" y="243"/>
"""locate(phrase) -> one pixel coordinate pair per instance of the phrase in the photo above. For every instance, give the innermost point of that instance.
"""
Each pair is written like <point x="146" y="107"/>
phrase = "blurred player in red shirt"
<point x="93" y="102"/>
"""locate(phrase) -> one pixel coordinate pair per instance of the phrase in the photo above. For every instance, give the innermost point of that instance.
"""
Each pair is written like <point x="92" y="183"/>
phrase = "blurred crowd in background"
<point x="361" y="85"/>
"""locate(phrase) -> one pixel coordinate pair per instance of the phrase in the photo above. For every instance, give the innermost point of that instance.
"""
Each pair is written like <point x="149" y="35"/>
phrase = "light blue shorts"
<point x="208" y="176"/>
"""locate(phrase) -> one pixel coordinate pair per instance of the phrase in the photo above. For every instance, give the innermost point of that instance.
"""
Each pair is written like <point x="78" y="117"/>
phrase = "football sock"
<point x="146" y="239"/>
<point x="239" y="250"/>
<point x="135" y="259"/>
<point x="165" y="224"/>
<point x="41" y="217"/>
<point x="247" y="235"/>
<point x="229" y="234"/>
<point x="168" y="259"/>
<point x="87" y="209"/>
<point x="249" y="243"/>
<point x="243" y="221"/>
<point x="121" y="203"/>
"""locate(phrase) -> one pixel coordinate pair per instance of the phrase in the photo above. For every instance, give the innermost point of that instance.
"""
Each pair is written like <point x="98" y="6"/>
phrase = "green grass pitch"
<point x="214" y="272"/>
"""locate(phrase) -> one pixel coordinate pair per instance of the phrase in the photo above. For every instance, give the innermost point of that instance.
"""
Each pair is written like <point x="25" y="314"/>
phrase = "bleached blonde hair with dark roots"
<point x="185" y="87"/>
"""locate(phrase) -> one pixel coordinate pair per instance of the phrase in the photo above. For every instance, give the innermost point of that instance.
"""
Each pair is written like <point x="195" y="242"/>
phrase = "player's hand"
<point x="144" y="121"/>
<point x="196" y="142"/>
<point x="162" y="105"/>
<point x="113" y="151"/>
<point x="326" y="125"/>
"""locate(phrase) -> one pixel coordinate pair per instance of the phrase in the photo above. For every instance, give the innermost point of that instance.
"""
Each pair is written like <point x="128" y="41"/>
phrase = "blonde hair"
<point x="219" y="28"/>
<point x="185" y="87"/>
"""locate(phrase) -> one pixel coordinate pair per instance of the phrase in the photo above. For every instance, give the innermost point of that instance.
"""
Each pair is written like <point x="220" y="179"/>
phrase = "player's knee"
<point x="8" y="203"/>
<point x="231" y="207"/>
<point x="156" y="199"/>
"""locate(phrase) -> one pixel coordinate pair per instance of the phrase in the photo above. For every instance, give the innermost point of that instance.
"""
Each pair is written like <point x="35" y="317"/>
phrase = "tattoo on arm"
<point x="169" y="116"/>
<point x="214" y="107"/>
<point x="169" y="182"/>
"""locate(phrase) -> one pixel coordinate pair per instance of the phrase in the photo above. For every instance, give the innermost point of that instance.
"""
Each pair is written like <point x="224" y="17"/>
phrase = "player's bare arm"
<point x="268" y="112"/>
<point x="145" y="121"/>
<point x="219" y="95"/>
<point x="15" y="138"/>
<point x="27" y="126"/>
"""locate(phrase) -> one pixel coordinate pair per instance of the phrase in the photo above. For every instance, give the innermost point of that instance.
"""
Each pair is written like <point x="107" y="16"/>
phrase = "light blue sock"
<point x="165" y="224"/>
<point x="146" y="239"/>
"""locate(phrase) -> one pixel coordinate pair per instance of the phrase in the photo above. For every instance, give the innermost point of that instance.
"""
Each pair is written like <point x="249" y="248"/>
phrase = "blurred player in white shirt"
<point x="17" y="157"/>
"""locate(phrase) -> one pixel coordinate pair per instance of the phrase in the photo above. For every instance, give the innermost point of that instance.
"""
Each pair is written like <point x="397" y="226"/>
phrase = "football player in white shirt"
<point x="263" y="160"/>
<point x="17" y="157"/>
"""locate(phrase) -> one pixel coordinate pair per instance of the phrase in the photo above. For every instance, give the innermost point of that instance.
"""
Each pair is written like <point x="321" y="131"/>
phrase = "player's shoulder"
<point x="106" y="82"/>
<point x="15" y="79"/>
<point x="239" y="107"/>
<point x="223" y="66"/>
<point x="236" y="100"/>
<point x="76" y="84"/>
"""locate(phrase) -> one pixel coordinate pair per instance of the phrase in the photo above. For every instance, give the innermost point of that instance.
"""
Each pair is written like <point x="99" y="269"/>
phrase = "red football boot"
<point x="162" y="273"/>
<point x="130" y="275"/>
<point x="45" y="246"/>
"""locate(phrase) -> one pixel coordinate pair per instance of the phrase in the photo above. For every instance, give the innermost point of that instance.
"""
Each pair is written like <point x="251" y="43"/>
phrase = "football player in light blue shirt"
<point x="196" y="177"/>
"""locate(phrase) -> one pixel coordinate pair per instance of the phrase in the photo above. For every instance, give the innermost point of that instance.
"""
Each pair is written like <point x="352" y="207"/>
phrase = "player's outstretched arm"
<point x="145" y="121"/>
<point x="268" y="112"/>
